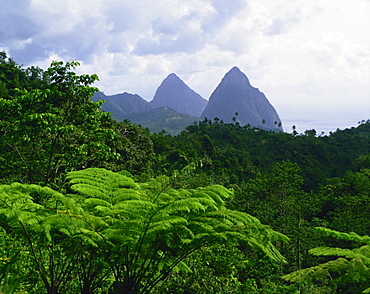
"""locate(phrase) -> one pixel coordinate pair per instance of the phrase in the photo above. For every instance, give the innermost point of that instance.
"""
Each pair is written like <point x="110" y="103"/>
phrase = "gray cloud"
<point x="122" y="16"/>
<point x="281" y="24"/>
<point x="16" y="26"/>
<point x="113" y="30"/>
<point x="170" y="35"/>
<point x="30" y="53"/>
<point x="224" y="11"/>
<point x="27" y="32"/>
<point x="277" y="27"/>
<point x="184" y="42"/>
<point x="166" y="26"/>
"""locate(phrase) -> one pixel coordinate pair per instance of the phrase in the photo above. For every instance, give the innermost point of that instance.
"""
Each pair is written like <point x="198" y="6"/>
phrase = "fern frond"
<point x="229" y="218"/>
<point x="93" y="202"/>
<point x="126" y="194"/>
<point x="88" y="237"/>
<point x="99" y="181"/>
<point x="91" y="191"/>
<point x="186" y="205"/>
<point x="103" y="210"/>
<point x="352" y="236"/>
<point x="201" y="227"/>
<point x="136" y="206"/>
<point x="165" y="224"/>
<point x="217" y="193"/>
<point x="319" y="272"/>
<point x="352" y="264"/>
<point x="329" y="251"/>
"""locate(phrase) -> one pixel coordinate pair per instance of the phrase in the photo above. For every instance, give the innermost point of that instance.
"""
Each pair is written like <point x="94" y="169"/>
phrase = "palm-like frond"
<point x="350" y="264"/>
<point x="143" y="231"/>
<point x="352" y="236"/>
<point x="149" y="217"/>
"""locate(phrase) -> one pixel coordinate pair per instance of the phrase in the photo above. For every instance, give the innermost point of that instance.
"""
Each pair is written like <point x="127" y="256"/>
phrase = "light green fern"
<point x="148" y="219"/>
<point x="127" y="236"/>
<point x="352" y="265"/>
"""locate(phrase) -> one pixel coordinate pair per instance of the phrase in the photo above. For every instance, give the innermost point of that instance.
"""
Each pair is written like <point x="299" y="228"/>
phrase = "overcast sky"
<point x="311" y="58"/>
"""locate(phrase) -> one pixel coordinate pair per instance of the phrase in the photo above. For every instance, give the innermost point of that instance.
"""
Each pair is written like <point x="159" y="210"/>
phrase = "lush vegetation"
<point x="92" y="205"/>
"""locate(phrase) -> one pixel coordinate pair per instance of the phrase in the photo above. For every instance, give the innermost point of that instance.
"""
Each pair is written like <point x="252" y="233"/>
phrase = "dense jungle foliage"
<point x="92" y="205"/>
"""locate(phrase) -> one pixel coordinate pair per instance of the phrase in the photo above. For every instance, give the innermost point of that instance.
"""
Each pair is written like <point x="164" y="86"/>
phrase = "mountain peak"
<point x="235" y="94"/>
<point x="173" y="80"/>
<point x="174" y="93"/>
<point x="236" y="76"/>
<point x="235" y="69"/>
<point x="172" y="76"/>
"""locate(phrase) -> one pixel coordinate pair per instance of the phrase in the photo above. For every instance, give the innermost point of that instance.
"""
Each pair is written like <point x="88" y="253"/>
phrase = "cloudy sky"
<point x="311" y="58"/>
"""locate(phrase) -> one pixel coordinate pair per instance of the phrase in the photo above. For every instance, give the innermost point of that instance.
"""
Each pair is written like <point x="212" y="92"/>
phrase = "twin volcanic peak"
<point x="174" y="93"/>
<point x="235" y="99"/>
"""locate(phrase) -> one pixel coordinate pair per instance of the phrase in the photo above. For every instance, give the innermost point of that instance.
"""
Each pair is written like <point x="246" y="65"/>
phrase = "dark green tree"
<point x="135" y="148"/>
<point x="46" y="132"/>
<point x="344" y="199"/>
<point x="278" y="199"/>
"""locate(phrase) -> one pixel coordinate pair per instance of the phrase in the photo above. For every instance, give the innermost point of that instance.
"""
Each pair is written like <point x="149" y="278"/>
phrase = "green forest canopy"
<point x="92" y="205"/>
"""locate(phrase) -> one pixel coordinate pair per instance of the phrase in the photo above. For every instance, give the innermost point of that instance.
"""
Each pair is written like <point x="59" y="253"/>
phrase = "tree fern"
<point x="46" y="231"/>
<point x="154" y="228"/>
<point x="351" y="266"/>
<point x="110" y="230"/>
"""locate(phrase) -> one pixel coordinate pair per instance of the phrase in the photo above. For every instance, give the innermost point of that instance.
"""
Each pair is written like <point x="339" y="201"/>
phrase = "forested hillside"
<point x="91" y="205"/>
<point x="237" y="153"/>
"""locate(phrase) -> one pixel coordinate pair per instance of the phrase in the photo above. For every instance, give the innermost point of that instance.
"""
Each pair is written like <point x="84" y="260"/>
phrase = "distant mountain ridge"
<point x="139" y="111"/>
<point x="163" y="119"/>
<point x="122" y="104"/>
<point x="233" y="100"/>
